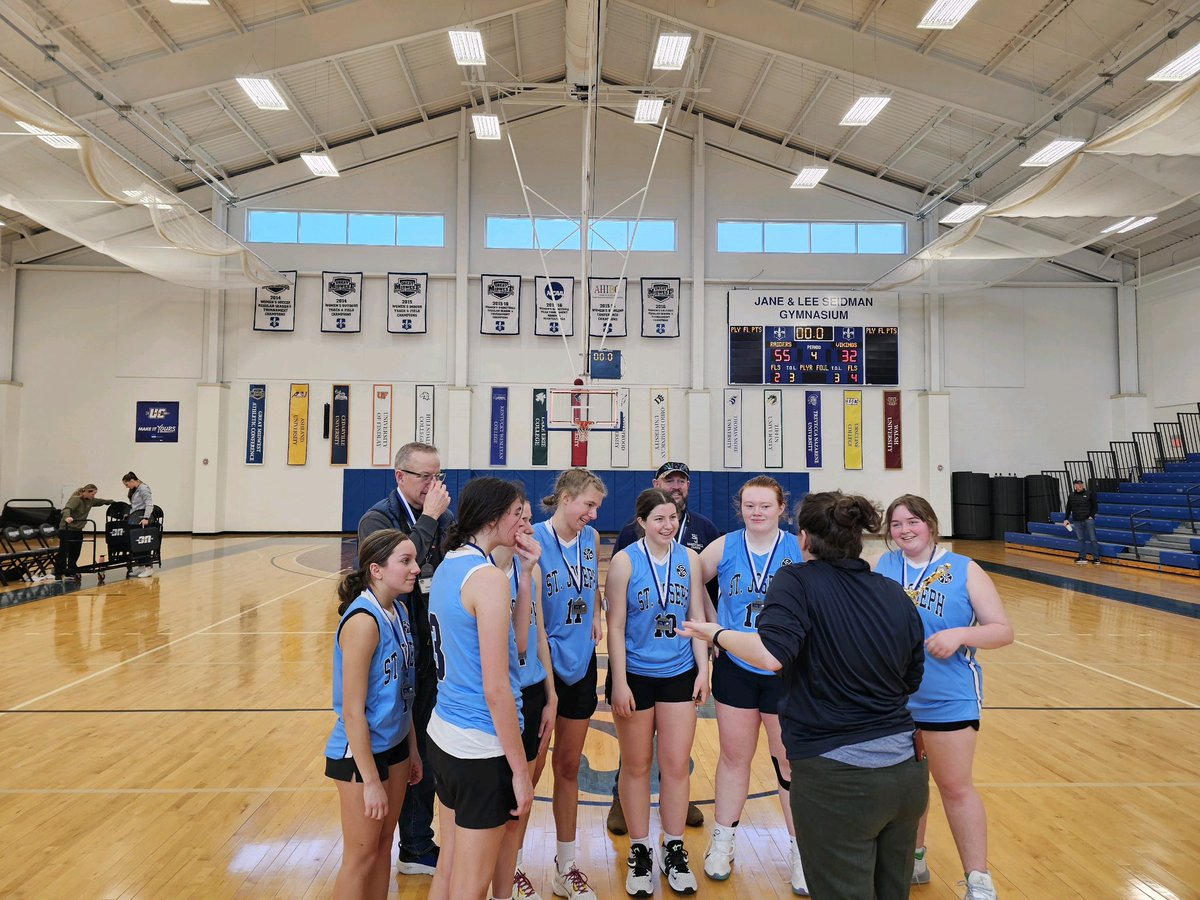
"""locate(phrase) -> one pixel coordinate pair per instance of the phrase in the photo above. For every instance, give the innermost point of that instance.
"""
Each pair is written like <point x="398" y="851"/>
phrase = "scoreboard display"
<point x="861" y="349"/>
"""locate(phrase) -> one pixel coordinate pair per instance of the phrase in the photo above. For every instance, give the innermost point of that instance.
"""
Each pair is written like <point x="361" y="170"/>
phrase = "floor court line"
<point x="1128" y="681"/>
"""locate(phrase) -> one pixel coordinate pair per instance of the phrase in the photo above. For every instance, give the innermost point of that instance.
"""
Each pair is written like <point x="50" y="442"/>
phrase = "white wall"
<point x="1168" y="334"/>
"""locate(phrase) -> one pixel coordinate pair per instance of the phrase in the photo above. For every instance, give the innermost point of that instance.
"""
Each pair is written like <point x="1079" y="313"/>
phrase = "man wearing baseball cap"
<point x="1081" y="513"/>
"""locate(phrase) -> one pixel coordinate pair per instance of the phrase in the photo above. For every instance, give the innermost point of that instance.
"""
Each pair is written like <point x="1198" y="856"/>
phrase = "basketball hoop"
<point x="582" y="427"/>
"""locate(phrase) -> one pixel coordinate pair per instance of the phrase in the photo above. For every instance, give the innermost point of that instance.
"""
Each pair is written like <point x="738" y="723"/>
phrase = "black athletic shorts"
<point x="648" y="690"/>
<point x="578" y="700"/>
<point x="734" y="686"/>
<point x="346" y="769"/>
<point x="533" y="702"/>
<point x="480" y="791"/>
<point x="948" y="726"/>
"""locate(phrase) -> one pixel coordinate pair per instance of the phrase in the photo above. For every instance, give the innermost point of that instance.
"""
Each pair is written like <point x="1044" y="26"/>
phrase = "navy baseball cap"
<point x="668" y="468"/>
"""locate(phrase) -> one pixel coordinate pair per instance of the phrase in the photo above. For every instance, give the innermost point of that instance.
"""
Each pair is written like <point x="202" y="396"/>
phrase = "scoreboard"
<point x="767" y="345"/>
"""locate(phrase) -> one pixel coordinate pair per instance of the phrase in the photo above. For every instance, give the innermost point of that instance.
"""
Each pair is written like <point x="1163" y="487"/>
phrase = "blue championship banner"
<point x="339" y="426"/>
<point x="812" y="429"/>
<point x="499" y="454"/>
<point x="256" y="424"/>
<point x="157" y="422"/>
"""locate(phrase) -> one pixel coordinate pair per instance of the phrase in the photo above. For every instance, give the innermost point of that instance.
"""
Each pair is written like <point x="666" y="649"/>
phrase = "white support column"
<point x="462" y="253"/>
<point x="700" y="432"/>
<point x="10" y="390"/>
<point x="1129" y="407"/>
<point x="212" y="407"/>
<point x="934" y="410"/>
<point x="456" y="448"/>
<point x="8" y="312"/>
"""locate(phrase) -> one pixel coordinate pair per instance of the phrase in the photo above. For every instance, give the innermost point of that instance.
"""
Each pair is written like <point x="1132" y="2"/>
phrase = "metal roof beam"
<point x="517" y="47"/>
<point x="63" y="31"/>
<point x="242" y="124"/>
<point x="757" y="86"/>
<point x="299" y="111"/>
<point x="941" y="116"/>
<point x="872" y="8"/>
<point x="412" y="85"/>
<point x="189" y="145"/>
<point x="355" y="95"/>
<point x="153" y="25"/>
<point x="237" y="24"/>
<point x="809" y="103"/>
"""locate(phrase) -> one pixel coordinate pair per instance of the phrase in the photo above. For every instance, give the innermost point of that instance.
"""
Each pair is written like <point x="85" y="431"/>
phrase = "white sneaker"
<point x="144" y="572"/>
<point x="571" y="883"/>
<point x="523" y="887"/>
<point x="640" y="880"/>
<point x="718" y="859"/>
<point x="979" y="886"/>
<point x="920" y="868"/>
<point x="799" y="885"/>
<point x="675" y="866"/>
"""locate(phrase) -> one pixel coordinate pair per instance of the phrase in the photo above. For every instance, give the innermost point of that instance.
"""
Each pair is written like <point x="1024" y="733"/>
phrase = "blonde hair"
<point x="572" y="483"/>
<point x="87" y="487"/>
<point x="918" y="506"/>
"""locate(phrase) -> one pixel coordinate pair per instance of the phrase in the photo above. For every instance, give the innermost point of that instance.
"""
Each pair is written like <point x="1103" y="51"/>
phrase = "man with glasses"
<point x="419" y="507"/>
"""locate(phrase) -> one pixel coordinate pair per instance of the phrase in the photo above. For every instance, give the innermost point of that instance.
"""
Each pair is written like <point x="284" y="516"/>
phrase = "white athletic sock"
<point x="795" y="848"/>
<point x="645" y="842"/>
<point x="566" y="855"/>
<point x="724" y="832"/>
<point x="667" y="838"/>
<point x="520" y="855"/>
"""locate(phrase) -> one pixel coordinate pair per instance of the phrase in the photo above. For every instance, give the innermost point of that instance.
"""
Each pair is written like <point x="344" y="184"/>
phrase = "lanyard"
<point x="682" y="526"/>
<point x="574" y="576"/>
<point x="913" y="588"/>
<point x="394" y="623"/>
<point x="516" y="574"/>
<point x="479" y="550"/>
<point x="412" y="517"/>
<point x="664" y="590"/>
<point x="759" y="585"/>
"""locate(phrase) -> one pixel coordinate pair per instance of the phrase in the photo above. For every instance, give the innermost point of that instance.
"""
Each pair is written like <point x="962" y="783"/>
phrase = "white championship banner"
<point x="407" y="296"/>
<point x="381" y="424"/>
<point x="554" y="306"/>
<point x="773" y="428"/>
<point x="732" y="433"/>
<point x="660" y="427"/>
<point x="423" y="429"/>
<point x="620" y="439"/>
<point x="660" y="307"/>
<point x="341" y="302"/>
<point x="275" y="305"/>
<point x="606" y="307"/>
<point x="500" y="304"/>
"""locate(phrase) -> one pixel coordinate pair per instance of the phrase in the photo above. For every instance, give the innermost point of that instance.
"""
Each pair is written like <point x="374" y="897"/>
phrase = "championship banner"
<point x="499" y="434"/>
<point x="812" y="429"/>
<point x="275" y="305"/>
<point x="620" y="439"/>
<point x="424" y="424"/>
<point x="256" y="419"/>
<point x="606" y="307"/>
<point x="660" y="420"/>
<point x="773" y="428"/>
<point x="541" y="434"/>
<point x="852" y="416"/>
<point x="554" y="306"/>
<point x="341" y="302"/>
<point x="732" y="432"/>
<point x="892" y="455"/>
<point x="660" y="307"/>
<point x="339" y="426"/>
<point x="298" y="425"/>
<point x="500" y="307"/>
<point x="381" y="425"/>
<point x="407" y="293"/>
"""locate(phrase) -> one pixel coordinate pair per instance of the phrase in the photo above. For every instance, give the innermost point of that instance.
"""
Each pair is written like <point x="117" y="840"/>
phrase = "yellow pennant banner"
<point x="852" y="417"/>
<point x="298" y="425"/>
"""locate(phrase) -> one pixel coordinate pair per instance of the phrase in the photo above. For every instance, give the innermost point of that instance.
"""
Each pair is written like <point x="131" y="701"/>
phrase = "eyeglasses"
<point x="425" y="477"/>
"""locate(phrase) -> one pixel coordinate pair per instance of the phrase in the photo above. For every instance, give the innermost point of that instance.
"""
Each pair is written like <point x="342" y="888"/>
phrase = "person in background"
<point x="70" y="529"/>
<point x="1081" y="517"/>
<point x="141" y="512"/>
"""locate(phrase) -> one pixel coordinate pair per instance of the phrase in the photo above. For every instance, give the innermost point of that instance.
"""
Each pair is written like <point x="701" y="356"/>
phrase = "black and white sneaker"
<point x="640" y="880"/>
<point x="675" y="866"/>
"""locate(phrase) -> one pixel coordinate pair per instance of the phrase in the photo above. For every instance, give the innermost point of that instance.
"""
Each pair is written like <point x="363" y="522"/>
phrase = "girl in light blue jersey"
<point x="961" y="611"/>
<point x="372" y="751"/>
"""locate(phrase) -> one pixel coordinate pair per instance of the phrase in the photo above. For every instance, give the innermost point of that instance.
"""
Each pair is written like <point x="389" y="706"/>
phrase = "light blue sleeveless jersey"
<point x="951" y="689"/>
<point x="741" y="600"/>
<point x="391" y="681"/>
<point x="530" y="670"/>
<point x="568" y="599"/>
<point x="653" y="647"/>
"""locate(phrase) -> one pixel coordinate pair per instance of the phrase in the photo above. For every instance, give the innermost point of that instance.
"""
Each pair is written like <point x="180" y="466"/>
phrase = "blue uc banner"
<point x="499" y="454"/>
<point x="157" y="422"/>
<point x="256" y="424"/>
<point x="812" y="428"/>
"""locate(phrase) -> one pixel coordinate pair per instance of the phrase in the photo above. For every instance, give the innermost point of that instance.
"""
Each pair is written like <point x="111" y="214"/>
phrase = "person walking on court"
<point x="961" y="613"/>
<point x="570" y="578"/>
<point x="419" y="506"/>
<point x="141" y="513"/>
<point x="70" y="530"/>
<point x="847" y="644"/>
<point x="1081" y="517"/>
<point x="372" y="751"/>
<point x="475" y="747"/>
<point x="656" y="679"/>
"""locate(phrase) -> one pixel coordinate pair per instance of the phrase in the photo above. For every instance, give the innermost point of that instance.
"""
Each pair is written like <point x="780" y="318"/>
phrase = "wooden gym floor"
<point x="163" y="739"/>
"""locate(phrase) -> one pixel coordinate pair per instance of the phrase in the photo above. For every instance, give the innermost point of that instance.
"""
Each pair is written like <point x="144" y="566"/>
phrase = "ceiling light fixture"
<point x="1180" y="68"/>
<point x="963" y="213"/>
<point x="58" y="141"/>
<point x="320" y="164"/>
<point x="648" y="111"/>
<point x="671" y="51"/>
<point x="946" y="13"/>
<point x="190" y="2"/>
<point x="468" y="48"/>
<point x="487" y="127"/>
<point x="1130" y="224"/>
<point x="1053" y="152"/>
<point x="263" y="93"/>
<point x="809" y="177"/>
<point x="1119" y="226"/>
<point x="865" y="109"/>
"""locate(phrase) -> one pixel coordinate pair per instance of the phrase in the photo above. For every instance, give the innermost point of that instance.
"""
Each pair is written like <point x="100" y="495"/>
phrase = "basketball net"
<point x="579" y="437"/>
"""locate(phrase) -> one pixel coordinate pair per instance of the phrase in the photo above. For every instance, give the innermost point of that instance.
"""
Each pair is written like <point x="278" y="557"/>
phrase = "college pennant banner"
<point x="732" y="431"/>
<point x="499" y="435"/>
<point x="298" y="425"/>
<point x="660" y="307"/>
<point x="381" y="424"/>
<point x="500" y="309"/>
<point x="407" y="293"/>
<point x="554" y="306"/>
<point x="256" y="424"/>
<point x="620" y="439"/>
<point x="423" y="429"/>
<point x="341" y="302"/>
<point x="606" y="307"/>
<point x="892" y="455"/>
<point x="812" y="429"/>
<point x="773" y="428"/>
<point x="339" y="426"/>
<point x="660" y="422"/>
<point x="275" y="305"/>
<point x="852" y="416"/>
<point x="541" y="433"/>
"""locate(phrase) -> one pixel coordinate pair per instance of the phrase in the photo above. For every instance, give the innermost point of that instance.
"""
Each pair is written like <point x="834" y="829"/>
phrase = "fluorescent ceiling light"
<point x="671" y="51"/>
<point x="809" y="177"/>
<point x="468" y="48"/>
<point x="1183" y="66"/>
<point x="190" y="2"/>
<point x="487" y="127"/>
<point x="946" y="13"/>
<point x="263" y="93"/>
<point x="1129" y="224"/>
<point x="1054" y="151"/>
<point x="864" y="110"/>
<point x="59" y="141"/>
<point x="1120" y="226"/>
<point x="320" y="164"/>
<point x="648" y="111"/>
<point x="964" y="212"/>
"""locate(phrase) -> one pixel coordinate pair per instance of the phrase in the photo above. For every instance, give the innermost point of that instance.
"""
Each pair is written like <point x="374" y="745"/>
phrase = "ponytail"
<point x="375" y="548"/>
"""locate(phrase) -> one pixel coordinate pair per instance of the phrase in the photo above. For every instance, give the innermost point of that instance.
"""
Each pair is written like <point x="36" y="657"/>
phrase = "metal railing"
<point x="1127" y="460"/>
<point x="1133" y="530"/>
<point x="1170" y="439"/>
<point x="1103" y="463"/>
<point x="1189" y="429"/>
<point x="1150" y="450"/>
<point x="1191" y="492"/>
